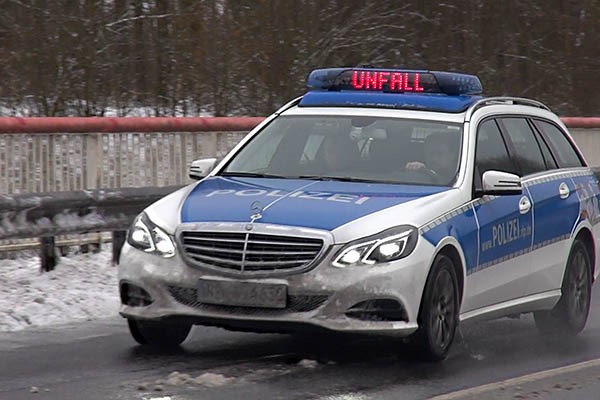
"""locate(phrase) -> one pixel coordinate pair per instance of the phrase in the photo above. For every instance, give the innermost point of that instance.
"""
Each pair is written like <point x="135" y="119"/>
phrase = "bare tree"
<point x="226" y="57"/>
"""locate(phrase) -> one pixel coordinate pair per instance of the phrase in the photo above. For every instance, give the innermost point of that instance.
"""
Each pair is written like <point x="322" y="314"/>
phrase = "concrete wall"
<point x="588" y="141"/>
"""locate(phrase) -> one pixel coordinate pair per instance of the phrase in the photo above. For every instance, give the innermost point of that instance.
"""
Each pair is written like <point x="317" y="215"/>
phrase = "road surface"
<point x="98" y="360"/>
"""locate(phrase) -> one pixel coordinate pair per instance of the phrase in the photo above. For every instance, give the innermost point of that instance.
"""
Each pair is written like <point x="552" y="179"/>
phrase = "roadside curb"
<point x="518" y="381"/>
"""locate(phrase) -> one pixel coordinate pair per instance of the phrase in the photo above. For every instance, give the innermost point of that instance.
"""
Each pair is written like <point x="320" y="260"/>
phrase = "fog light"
<point x="134" y="296"/>
<point x="378" y="310"/>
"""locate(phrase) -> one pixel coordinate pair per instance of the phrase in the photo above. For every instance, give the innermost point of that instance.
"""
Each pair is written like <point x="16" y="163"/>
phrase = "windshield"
<point x="369" y="149"/>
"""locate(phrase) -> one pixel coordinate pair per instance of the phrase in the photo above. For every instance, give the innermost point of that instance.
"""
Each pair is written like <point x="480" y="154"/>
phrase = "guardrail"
<point x="77" y="212"/>
<point x="81" y="211"/>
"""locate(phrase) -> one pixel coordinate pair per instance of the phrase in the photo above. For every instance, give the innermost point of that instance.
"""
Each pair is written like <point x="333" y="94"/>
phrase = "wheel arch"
<point x="431" y="351"/>
<point x="585" y="235"/>
<point x="450" y="247"/>
<point x="452" y="252"/>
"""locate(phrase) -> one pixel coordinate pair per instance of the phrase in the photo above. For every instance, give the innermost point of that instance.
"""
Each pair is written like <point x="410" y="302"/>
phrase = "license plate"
<point x="245" y="294"/>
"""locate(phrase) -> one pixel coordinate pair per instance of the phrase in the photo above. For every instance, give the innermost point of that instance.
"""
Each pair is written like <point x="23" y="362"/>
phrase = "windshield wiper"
<point x="336" y="178"/>
<point x="253" y="175"/>
<point x="309" y="177"/>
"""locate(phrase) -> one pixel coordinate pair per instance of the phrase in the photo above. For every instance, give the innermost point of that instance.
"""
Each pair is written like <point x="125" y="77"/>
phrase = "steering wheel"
<point x="431" y="175"/>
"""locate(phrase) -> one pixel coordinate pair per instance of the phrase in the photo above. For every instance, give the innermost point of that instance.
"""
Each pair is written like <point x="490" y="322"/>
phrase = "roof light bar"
<point x="394" y="81"/>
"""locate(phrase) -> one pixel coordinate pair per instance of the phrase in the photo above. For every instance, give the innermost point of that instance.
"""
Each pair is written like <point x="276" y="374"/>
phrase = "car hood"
<point x="294" y="202"/>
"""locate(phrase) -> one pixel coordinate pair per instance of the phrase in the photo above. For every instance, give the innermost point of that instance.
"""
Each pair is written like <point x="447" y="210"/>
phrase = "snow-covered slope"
<point x="82" y="287"/>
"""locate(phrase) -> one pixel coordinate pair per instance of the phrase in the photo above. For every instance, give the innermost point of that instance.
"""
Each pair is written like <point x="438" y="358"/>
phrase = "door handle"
<point x="524" y="205"/>
<point x="563" y="190"/>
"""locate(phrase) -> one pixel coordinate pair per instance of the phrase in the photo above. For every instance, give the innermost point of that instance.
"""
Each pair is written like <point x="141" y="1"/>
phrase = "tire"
<point x="158" y="334"/>
<point x="438" y="315"/>
<point x="570" y="314"/>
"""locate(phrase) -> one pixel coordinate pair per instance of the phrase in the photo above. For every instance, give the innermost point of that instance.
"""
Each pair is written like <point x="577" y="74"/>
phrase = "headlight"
<point x="146" y="236"/>
<point x="389" y="245"/>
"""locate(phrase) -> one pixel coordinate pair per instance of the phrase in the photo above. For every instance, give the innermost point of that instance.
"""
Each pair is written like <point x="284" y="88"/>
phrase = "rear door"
<point x="562" y="198"/>
<point x="555" y="204"/>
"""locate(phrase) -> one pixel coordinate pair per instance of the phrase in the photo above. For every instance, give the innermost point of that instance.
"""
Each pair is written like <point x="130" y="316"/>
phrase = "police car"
<point x="382" y="201"/>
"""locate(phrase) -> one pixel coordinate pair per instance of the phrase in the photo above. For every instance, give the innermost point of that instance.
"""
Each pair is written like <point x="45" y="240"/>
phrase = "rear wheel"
<point x="438" y="316"/>
<point x="570" y="314"/>
<point x="158" y="334"/>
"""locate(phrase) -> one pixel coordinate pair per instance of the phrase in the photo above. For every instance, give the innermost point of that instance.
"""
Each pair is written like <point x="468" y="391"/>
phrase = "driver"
<point x="338" y="153"/>
<point x="441" y="157"/>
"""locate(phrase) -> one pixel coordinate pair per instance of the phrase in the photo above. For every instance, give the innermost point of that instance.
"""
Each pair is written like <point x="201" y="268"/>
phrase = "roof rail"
<point x="288" y="105"/>
<point x="489" y="101"/>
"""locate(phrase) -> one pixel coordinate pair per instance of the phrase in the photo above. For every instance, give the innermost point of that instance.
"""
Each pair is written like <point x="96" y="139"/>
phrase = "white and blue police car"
<point x="382" y="201"/>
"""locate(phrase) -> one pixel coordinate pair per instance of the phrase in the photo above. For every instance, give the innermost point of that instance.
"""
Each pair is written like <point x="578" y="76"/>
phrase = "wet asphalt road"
<point x="98" y="360"/>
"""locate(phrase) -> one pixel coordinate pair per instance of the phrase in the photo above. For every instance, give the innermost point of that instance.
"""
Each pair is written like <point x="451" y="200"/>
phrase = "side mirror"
<point x="200" y="168"/>
<point x="501" y="183"/>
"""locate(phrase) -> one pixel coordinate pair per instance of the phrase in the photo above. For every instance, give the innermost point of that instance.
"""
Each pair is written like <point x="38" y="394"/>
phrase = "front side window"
<point x="370" y="149"/>
<point x="490" y="152"/>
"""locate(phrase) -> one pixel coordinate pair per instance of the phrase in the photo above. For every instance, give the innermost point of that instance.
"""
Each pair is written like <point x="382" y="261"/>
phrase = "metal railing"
<point x="51" y="169"/>
<point x="65" y="154"/>
<point x="49" y="165"/>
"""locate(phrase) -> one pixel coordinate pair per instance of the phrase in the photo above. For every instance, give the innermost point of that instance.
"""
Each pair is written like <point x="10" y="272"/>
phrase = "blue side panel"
<point x="554" y="217"/>
<point x="461" y="225"/>
<point x="588" y="194"/>
<point x="504" y="232"/>
<point x="428" y="102"/>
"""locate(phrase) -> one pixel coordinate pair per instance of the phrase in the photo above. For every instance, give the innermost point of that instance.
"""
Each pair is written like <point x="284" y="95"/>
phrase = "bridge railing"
<point x="70" y="176"/>
<point x="66" y="154"/>
<point x="77" y="175"/>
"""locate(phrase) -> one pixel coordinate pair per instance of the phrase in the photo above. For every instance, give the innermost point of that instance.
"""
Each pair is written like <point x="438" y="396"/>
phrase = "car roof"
<point x="404" y="101"/>
<point x="480" y="108"/>
<point x="376" y="112"/>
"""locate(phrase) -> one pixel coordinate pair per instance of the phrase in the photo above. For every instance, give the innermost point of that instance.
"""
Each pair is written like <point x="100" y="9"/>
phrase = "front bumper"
<point x="318" y="298"/>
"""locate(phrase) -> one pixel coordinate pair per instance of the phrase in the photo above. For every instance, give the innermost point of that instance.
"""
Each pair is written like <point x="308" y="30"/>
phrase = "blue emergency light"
<point x="391" y="88"/>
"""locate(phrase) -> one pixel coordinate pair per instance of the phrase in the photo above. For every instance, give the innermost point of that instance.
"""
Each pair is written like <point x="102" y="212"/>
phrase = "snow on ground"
<point x="82" y="287"/>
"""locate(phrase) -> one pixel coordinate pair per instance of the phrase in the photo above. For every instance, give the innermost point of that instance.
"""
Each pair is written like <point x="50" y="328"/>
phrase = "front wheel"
<point x="438" y="315"/>
<point x="570" y="314"/>
<point x="157" y="333"/>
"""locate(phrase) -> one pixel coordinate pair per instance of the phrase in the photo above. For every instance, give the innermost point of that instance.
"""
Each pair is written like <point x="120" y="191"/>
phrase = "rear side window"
<point x="566" y="154"/>
<point x="550" y="160"/>
<point x="526" y="148"/>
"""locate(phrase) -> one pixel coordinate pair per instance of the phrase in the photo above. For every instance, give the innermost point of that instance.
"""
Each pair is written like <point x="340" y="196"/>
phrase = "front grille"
<point x="241" y="251"/>
<point x="295" y="303"/>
